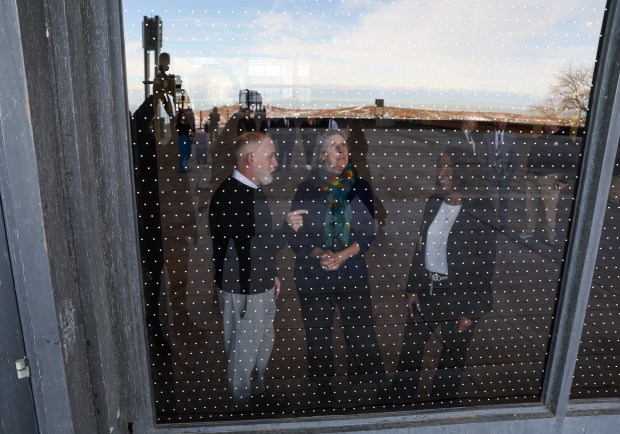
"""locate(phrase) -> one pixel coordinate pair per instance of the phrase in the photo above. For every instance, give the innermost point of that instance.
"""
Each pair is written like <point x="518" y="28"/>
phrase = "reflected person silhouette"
<point x="246" y="123"/>
<point x="214" y="124"/>
<point x="185" y="132"/>
<point x="149" y="214"/>
<point x="449" y="284"/>
<point x="286" y="136"/>
<point x="466" y="136"/>
<point x="500" y="156"/>
<point x="358" y="146"/>
<point x="309" y="136"/>
<point x="551" y="162"/>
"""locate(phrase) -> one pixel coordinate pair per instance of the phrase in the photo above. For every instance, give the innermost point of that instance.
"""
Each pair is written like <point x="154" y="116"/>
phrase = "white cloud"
<point x="464" y="46"/>
<point x="454" y="45"/>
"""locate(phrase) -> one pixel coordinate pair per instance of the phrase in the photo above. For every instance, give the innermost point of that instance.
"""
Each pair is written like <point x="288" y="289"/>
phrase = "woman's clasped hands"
<point x="331" y="261"/>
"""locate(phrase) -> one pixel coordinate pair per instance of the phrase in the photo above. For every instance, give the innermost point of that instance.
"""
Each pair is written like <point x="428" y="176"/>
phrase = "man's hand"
<point x="276" y="286"/>
<point x="411" y="299"/>
<point x="295" y="218"/>
<point x="463" y="324"/>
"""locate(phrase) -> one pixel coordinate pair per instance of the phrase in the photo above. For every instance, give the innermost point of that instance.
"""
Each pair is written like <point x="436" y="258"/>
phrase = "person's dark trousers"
<point x="447" y="379"/>
<point x="364" y="359"/>
<point x="185" y="150"/>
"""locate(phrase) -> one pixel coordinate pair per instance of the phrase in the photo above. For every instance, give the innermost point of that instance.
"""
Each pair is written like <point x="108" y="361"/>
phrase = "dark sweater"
<point x="308" y="274"/>
<point x="183" y="129"/>
<point x="246" y="125"/>
<point x="244" y="242"/>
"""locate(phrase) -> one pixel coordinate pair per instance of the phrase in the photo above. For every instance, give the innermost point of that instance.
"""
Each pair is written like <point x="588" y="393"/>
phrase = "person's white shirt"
<point x="436" y="254"/>
<point x="243" y="179"/>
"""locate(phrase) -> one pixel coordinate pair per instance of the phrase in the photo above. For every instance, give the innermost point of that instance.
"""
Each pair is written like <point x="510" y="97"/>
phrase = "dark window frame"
<point x="21" y="194"/>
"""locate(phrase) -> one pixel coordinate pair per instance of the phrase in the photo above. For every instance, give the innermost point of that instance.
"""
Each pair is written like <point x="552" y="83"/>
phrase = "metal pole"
<point x="146" y="73"/>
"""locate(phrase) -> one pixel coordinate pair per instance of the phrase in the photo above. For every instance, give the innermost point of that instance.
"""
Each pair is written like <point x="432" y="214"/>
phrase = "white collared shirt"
<point x="242" y="179"/>
<point x="499" y="139"/>
<point x="470" y="140"/>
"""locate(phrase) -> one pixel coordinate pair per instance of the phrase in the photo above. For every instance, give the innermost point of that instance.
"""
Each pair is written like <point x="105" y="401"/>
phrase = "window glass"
<point x="596" y="373"/>
<point x="415" y="196"/>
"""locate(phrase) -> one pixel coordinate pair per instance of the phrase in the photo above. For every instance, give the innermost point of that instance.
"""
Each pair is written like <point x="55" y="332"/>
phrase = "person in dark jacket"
<point x="333" y="220"/>
<point x="185" y="131"/>
<point x="213" y="125"/>
<point x="244" y="255"/>
<point x="247" y="123"/>
<point x="449" y="284"/>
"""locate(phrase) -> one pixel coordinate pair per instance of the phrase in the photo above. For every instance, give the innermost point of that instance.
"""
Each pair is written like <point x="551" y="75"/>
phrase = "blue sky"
<point x="319" y="53"/>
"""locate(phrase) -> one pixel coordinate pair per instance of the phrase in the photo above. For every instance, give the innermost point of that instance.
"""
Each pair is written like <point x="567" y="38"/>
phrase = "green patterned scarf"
<point x="337" y="229"/>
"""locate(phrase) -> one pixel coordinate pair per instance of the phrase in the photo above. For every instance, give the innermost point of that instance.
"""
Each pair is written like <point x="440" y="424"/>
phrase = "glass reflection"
<point x="596" y="373"/>
<point x="450" y="198"/>
<point x="362" y="349"/>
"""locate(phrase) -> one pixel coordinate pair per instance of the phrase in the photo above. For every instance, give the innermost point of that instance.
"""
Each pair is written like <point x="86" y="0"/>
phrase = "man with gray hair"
<point x="244" y="255"/>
